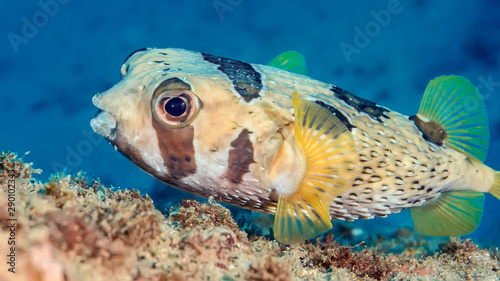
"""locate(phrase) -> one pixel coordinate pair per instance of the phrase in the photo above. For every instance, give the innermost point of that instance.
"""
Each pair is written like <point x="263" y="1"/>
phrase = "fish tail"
<point x="495" y="189"/>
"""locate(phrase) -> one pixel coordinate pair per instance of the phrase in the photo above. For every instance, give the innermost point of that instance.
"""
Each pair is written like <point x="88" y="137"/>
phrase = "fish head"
<point x="180" y="119"/>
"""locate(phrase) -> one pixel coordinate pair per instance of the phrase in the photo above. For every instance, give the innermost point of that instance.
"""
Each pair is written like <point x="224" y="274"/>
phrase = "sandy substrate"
<point x="73" y="228"/>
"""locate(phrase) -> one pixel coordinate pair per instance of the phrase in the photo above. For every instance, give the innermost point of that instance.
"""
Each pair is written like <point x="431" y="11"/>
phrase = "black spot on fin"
<point x="453" y="103"/>
<point x="431" y="131"/>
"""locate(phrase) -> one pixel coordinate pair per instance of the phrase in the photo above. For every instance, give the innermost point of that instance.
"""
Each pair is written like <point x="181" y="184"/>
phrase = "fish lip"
<point x="105" y="124"/>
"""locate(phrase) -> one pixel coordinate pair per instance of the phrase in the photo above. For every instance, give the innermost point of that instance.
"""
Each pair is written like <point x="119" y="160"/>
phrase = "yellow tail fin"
<point x="495" y="189"/>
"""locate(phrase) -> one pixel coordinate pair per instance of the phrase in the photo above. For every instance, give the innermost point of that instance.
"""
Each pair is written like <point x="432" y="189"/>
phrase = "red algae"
<point x="74" y="228"/>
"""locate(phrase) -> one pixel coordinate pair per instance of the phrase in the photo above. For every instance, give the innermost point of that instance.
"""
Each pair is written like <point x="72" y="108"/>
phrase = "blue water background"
<point x="50" y="71"/>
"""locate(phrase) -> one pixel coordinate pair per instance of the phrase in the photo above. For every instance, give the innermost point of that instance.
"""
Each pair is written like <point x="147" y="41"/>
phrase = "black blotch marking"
<point x="176" y="144"/>
<point x="240" y="157"/>
<point x="431" y="131"/>
<point x="360" y="104"/>
<point x="246" y="80"/>
<point x="338" y="114"/>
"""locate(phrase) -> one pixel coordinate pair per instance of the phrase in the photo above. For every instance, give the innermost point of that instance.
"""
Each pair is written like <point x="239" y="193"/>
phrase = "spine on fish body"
<point x="270" y="139"/>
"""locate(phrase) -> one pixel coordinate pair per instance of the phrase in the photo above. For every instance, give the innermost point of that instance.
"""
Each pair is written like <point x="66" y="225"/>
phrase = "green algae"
<point x="74" y="228"/>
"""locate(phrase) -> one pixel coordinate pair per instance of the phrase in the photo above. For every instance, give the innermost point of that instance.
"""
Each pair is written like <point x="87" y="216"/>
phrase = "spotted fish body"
<point x="233" y="136"/>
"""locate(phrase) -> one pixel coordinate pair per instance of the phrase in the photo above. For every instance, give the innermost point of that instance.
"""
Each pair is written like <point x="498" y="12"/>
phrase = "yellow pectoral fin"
<point x="454" y="213"/>
<point x="495" y="189"/>
<point x="329" y="150"/>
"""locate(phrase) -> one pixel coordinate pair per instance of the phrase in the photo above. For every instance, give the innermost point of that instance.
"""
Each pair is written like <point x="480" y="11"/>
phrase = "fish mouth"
<point x="104" y="124"/>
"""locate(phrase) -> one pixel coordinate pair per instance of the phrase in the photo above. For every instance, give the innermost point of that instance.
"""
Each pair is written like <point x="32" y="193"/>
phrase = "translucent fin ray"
<point x="454" y="213"/>
<point x="454" y="103"/>
<point x="495" y="189"/>
<point x="330" y="152"/>
<point x="290" y="61"/>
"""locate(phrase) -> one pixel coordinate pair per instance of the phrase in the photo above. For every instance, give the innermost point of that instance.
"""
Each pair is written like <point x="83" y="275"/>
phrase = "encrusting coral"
<point x="74" y="228"/>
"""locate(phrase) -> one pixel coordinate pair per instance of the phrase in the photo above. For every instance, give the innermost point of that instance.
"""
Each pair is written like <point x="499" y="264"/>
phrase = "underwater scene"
<point x="250" y="140"/>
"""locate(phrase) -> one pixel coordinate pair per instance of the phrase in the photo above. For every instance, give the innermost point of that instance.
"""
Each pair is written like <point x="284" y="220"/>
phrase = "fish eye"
<point x="176" y="108"/>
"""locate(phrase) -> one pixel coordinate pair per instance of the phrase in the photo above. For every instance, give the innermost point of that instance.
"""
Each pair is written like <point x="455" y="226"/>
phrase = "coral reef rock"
<point x="74" y="228"/>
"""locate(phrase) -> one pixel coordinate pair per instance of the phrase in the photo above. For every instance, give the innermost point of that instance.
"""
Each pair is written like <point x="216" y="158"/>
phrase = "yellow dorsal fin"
<point x="454" y="213"/>
<point x="329" y="150"/>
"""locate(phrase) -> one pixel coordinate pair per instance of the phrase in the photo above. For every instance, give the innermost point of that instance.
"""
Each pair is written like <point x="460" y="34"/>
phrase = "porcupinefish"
<point x="270" y="139"/>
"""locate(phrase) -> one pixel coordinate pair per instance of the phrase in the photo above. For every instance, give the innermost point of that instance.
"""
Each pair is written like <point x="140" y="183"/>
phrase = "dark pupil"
<point x="175" y="106"/>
